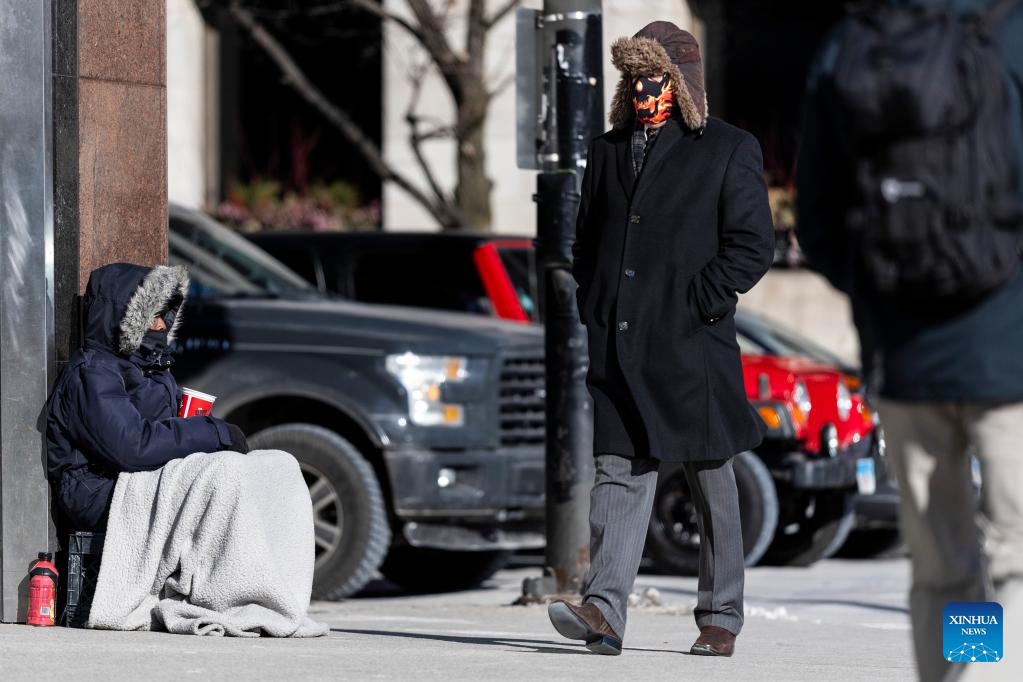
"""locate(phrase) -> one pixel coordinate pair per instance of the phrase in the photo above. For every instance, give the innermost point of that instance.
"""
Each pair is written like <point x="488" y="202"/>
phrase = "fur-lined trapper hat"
<point x="122" y="299"/>
<point x="659" y="48"/>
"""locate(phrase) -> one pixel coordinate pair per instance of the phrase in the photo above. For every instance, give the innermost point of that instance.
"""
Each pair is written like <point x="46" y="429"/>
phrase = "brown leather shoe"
<point x="587" y="623"/>
<point x="713" y="641"/>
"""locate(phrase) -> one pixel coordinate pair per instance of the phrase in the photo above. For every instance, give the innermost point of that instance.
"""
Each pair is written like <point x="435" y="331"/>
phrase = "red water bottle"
<point x="42" y="591"/>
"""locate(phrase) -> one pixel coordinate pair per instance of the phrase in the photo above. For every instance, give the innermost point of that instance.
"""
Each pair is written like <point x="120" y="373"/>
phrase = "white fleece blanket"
<point x="212" y="544"/>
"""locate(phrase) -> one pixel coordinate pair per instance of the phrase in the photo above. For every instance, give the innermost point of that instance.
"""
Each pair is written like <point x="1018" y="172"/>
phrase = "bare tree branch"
<point x="415" y="141"/>
<point x="449" y="63"/>
<point x="429" y="31"/>
<point x="438" y="133"/>
<point x="444" y="214"/>
<point x="502" y="85"/>
<point x="500" y="13"/>
<point x="445" y="11"/>
<point x="476" y="36"/>
<point x="378" y="10"/>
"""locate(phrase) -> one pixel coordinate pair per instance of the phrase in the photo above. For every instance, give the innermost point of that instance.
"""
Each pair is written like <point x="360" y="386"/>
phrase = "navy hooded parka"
<point x="114" y="405"/>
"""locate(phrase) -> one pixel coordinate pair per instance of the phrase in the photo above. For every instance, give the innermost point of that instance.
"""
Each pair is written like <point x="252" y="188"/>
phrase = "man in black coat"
<point x="114" y="407"/>
<point x="673" y="223"/>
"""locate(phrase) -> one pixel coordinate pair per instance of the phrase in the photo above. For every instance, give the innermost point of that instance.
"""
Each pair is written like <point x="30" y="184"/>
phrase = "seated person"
<point x="114" y="407"/>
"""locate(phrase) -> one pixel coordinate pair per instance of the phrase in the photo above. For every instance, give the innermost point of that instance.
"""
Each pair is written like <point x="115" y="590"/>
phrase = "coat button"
<point x="623" y="326"/>
<point x="630" y="273"/>
<point x="634" y="219"/>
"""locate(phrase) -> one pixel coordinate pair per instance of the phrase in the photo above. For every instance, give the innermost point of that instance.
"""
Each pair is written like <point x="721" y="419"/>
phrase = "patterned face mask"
<point x="652" y="101"/>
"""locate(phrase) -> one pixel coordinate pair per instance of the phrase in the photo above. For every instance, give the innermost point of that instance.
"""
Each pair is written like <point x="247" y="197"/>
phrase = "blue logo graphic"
<point x="972" y="632"/>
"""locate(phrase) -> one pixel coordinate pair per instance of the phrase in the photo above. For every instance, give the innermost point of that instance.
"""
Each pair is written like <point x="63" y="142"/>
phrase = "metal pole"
<point x="26" y="292"/>
<point x="569" y="471"/>
<point x="573" y="116"/>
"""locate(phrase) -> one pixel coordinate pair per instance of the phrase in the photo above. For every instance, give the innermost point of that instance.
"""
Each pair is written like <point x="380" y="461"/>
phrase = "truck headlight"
<point x="423" y="377"/>
<point x="844" y="402"/>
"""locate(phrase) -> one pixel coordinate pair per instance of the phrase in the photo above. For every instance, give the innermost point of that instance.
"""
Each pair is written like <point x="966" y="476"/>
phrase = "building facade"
<point x="195" y="92"/>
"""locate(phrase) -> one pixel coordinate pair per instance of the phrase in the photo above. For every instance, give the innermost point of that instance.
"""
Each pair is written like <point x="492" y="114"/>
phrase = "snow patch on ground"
<point x="779" y="613"/>
<point x="649" y="599"/>
<point x="888" y="626"/>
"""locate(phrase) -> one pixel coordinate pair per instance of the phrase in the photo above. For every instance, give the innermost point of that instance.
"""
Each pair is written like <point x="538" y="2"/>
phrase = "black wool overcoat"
<point x="659" y="260"/>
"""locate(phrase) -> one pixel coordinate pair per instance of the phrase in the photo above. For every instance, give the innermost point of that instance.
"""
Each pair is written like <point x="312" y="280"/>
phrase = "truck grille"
<point x="523" y="401"/>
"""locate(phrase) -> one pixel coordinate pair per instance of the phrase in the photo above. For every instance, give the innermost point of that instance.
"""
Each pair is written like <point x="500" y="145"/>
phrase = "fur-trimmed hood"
<point x="659" y="48"/>
<point x="122" y="299"/>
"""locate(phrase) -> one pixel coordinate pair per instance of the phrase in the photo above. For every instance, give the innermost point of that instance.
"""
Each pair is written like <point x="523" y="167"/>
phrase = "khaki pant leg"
<point x="997" y="432"/>
<point x="927" y="444"/>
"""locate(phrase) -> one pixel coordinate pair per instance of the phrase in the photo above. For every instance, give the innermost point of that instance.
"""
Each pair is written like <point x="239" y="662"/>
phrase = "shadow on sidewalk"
<point x="384" y="589"/>
<point x="534" y="645"/>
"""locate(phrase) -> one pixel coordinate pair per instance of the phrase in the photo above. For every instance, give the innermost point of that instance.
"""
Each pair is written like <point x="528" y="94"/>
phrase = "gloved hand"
<point x="238" y="442"/>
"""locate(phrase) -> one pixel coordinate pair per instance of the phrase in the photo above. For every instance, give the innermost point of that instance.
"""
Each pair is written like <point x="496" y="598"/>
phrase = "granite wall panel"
<point x="123" y="40"/>
<point x="122" y="171"/>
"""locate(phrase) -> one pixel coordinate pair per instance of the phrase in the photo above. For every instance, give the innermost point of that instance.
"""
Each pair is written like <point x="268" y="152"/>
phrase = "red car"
<point x="823" y="405"/>
<point x="796" y="491"/>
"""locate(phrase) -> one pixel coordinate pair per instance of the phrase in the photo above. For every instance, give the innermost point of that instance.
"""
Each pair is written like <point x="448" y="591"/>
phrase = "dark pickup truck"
<point x="794" y="494"/>
<point x="420" y="433"/>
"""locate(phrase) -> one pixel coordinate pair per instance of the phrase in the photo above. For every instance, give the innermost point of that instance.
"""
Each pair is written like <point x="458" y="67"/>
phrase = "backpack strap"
<point x="994" y="15"/>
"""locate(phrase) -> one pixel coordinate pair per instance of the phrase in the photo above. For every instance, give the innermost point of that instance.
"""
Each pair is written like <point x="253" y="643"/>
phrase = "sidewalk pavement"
<point x="838" y="620"/>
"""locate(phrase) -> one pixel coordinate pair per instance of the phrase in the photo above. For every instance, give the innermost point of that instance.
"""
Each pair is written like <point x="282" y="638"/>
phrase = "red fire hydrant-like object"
<point x="42" y="591"/>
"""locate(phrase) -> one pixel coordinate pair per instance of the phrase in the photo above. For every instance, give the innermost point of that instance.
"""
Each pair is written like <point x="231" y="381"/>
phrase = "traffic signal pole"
<point x="569" y="115"/>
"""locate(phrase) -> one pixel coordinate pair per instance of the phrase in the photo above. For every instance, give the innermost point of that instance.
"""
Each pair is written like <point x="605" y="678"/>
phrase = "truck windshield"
<point x="221" y="262"/>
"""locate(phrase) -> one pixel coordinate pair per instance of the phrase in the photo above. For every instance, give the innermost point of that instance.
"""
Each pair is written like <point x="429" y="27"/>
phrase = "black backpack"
<point x="921" y="104"/>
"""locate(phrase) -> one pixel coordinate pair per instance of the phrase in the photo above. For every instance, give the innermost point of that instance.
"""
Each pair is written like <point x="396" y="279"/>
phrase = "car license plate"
<point x="866" y="477"/>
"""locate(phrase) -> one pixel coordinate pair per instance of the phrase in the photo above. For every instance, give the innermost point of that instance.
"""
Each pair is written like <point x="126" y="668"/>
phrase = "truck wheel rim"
<point x="328" y="515"/>
<point x="676" y="514"/>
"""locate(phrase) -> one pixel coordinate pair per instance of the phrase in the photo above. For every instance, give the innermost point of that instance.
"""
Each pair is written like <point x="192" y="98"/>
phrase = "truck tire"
<point x="424" y="569"/>
<point x="805" y="537"/>
<point x="352" y="530"/>
<point x="673" y="539"/>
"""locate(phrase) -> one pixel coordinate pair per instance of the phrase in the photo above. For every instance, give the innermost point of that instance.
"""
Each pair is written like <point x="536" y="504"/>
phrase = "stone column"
<point x="110" y="143"/>
<point x="26" y="290"/>
<point x="83" y="183"/>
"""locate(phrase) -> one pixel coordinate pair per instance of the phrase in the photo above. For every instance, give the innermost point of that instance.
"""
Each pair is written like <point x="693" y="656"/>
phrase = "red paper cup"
<point x="195" y="403"/>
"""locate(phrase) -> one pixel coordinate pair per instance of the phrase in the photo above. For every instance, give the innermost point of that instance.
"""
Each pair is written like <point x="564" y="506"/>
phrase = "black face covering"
<point x="154" y="348"/>
<point x="154" y="351"/>
<point x="154" y="340"/>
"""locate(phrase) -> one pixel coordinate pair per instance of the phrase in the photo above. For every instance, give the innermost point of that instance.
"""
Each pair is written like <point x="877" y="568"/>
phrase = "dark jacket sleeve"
<point x="824" y="181"/>
<point x="745" y="235"/>
<point x="583" y="256"/>
<point x="103" y="423"/>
